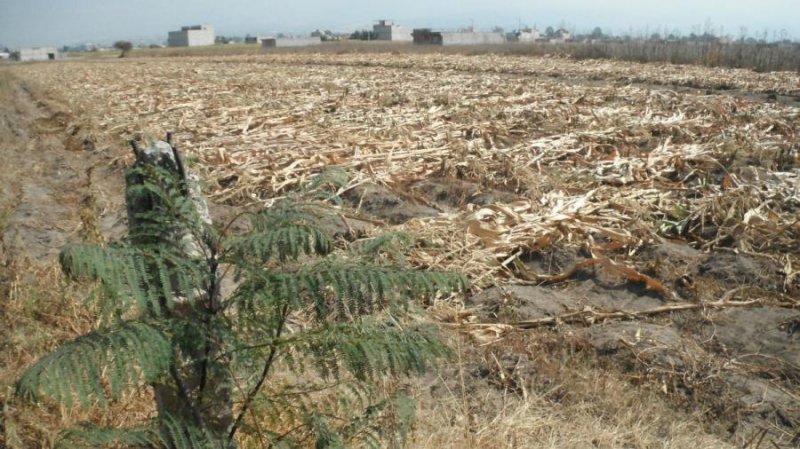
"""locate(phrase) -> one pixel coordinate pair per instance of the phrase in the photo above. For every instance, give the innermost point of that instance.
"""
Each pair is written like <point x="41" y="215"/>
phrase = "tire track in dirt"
<point x="50" y="192"/>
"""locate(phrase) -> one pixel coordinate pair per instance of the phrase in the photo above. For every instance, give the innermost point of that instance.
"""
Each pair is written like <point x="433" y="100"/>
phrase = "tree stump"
<point x="199" y="390"/>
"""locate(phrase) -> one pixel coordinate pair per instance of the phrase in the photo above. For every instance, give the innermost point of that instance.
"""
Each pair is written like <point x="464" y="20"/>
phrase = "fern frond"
<point x="393" y="243"/>
<point x="88" y="435"/>
<point x="264" y="291"/>
<point x="326" y="185"/>
<point x="287" y="212"/>
<point x="354" y="289"/>
<point x="334" y="177"/>
<point x="168" y="433"/>
<point x="383" y="424"/>
<point x="122" y="356"/>
<point x="175" y="434"/>
<point x="148" y="277"/>
<point x="285" y="242"/>
<point x="368" y="349"/>
<point x="324" y="435"/>
<point x="343" y="288"/>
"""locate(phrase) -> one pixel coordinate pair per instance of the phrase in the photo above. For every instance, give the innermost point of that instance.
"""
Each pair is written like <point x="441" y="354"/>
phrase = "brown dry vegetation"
<point x="631" y="232"/>
<point x="761" y="57"/>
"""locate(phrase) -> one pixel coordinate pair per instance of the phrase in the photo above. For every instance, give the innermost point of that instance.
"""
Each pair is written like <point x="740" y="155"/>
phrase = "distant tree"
<point x="597" y="33"/>
<point x="363" y="35"/>
<point x="498" y="29"/>
<point x="742" y="33"/>
<point x="655" y="37"/>
<point x="549" y="32"/>
<point x="124" y="47"/>
<point x="708" y="37"/>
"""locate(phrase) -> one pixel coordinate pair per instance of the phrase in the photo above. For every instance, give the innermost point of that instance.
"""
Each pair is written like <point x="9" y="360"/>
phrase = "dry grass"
<point x="42" y="312"/>
<point x="546" y="392"/>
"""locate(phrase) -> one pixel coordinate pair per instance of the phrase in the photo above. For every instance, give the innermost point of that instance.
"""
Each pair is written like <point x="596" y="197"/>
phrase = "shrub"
<point x="328" y="316"/>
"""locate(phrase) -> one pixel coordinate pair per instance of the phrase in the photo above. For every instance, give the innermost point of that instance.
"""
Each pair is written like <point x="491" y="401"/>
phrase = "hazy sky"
<point x="59" y="22"/>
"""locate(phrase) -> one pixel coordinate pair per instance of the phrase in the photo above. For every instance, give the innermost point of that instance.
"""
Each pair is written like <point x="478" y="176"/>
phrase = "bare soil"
<point x="740" y="368"/>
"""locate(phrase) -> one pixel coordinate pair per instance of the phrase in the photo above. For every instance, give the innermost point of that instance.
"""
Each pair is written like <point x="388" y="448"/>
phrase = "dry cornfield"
<point x="631" y="231"/>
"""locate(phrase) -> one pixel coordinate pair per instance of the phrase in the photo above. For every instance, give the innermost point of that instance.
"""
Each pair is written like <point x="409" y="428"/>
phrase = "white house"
<point x="191" y="36"/>
<point x="386" y="30"/>
<point x="39" y="54"/>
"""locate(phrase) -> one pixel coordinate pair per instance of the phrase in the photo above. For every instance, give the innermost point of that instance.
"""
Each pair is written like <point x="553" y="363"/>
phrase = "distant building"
<point x="191" y="36"/>
<point x="325" y="36"/>
<point x="254" y="39"/>
<point x="386" y="30"/>
<point x="560" y="36"/>
<point x="38" y="54"/>
<point x="425" y="36"/>
<point x="4" y="55"/>
<point x="524" y="35"/>
<point x="290" y="42"/>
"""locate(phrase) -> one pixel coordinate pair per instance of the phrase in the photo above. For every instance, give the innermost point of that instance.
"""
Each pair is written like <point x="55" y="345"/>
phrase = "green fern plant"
<point x="292" y="356"/>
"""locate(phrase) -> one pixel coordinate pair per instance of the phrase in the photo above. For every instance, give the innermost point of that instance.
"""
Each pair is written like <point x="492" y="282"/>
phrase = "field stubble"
<point x="576" y="195"/>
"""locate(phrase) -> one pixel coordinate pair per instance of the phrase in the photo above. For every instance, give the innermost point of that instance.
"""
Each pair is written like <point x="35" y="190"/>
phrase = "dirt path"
<point x="54" y="188"/>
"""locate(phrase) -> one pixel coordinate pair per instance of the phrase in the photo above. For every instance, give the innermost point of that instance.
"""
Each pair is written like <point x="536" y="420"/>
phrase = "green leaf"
<point x="166" y="433"/>
<point x="125" y="355"/>
<point x="346" y="289"/>
<point x="284" y="241"/>
<point x="368" y="349"/>
<point x="143" y="277"/>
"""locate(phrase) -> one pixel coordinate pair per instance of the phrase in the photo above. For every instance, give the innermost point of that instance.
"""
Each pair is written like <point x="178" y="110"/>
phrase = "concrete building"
<point x="191" y="36"/>
<point x="386" y="30"/>
<point x="39" y="54"/>
<point x="290" y="42"/>
<point x="425" y="36"/>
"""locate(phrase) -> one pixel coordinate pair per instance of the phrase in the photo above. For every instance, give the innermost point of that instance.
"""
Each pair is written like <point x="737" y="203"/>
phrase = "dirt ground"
<point x="544" y="369"/>
<point x="735" y="372"/>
